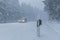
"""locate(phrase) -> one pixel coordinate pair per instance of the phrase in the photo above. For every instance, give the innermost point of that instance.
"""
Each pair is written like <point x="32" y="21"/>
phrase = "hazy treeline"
<point x="11" y="10"/>
<point x="53" y="9"/>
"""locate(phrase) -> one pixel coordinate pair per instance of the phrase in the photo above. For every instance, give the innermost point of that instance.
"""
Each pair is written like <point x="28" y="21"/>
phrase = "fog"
<point x="17" y="9"/>
<point x="35" y="3"/>
<point x="38" y="4"/>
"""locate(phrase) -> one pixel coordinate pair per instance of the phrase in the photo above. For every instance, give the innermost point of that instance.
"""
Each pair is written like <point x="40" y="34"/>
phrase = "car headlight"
<point x="23" y="20"/>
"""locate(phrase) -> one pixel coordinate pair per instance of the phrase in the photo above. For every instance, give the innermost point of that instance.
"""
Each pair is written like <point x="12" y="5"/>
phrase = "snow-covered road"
<point x="18" y="31"/>
<point x="48" y="33"/>
<point x="27" y="31"/>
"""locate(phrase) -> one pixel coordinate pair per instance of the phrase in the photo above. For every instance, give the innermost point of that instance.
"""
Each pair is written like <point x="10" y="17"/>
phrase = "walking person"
<point x="39" y="23"/>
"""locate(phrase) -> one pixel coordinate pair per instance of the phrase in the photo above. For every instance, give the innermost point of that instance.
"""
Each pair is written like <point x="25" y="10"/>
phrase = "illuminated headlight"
<point x="23" y="20"/>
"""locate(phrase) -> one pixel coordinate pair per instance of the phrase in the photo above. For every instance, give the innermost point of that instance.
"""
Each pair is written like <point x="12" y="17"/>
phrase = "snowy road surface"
<point x="26" y="31"/>
<point x="18" y="31"/>
<point x="48" y="33"/>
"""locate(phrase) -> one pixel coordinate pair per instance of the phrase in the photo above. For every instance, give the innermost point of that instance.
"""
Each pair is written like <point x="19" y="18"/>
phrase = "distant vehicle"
<point x="24" y="20"/>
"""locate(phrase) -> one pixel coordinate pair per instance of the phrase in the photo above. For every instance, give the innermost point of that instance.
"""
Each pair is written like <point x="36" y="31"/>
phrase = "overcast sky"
<point x="36" y="3"/>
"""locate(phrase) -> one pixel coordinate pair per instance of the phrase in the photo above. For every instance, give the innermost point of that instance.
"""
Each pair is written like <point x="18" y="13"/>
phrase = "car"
<point x="22" y="21"/>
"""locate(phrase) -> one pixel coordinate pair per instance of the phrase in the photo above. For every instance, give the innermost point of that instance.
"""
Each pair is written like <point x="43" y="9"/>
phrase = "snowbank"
<point x="55" y="26"/>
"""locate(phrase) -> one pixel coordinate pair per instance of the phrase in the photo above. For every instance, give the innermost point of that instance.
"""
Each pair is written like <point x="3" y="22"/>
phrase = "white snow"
<point x="27" y="31"/>
<point x="55" y="26"/>
<point x="49" y="32"/>
<point x="18" y="31"/>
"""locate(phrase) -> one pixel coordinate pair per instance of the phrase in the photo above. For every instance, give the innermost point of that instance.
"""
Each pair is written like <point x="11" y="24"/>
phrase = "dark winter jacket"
<point x="39" y="22"/>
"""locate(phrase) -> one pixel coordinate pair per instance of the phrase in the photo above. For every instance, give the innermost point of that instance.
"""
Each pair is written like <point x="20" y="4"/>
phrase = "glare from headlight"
<point x="23" y="20"/>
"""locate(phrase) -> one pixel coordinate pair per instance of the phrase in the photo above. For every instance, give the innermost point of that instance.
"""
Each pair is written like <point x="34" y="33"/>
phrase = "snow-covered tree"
<point x="53" y="8"/>
<point x="10" y="10"/>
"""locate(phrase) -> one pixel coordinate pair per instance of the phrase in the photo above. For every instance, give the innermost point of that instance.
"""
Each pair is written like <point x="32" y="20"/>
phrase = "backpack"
<point x="39" y="22"/>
